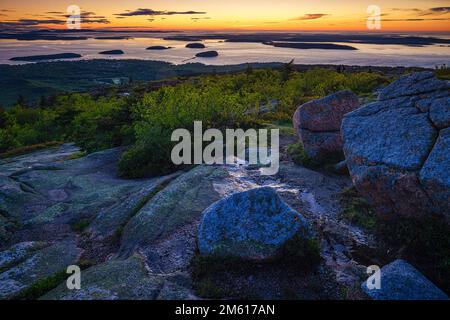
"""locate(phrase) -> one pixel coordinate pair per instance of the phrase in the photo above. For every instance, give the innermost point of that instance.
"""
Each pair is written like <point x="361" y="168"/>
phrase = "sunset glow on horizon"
<point x="320" y="15"/>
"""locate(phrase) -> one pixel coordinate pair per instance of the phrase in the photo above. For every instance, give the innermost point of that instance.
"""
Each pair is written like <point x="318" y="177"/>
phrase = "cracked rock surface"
<point x="318" y="123"/>
<point x="398" y="147"/>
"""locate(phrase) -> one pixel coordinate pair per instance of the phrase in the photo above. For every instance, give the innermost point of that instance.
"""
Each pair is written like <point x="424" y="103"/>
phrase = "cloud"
<point x="436" y="11"/>
<point x="406" y="9"/>
<point x="151" y="12"/>
<point x="205" y="18"/>
<point x="86" y="17"/>
<point x="59" y="18"/>
<point x="425" y="12"/>
<point x="418" y="19"/>
<point x="36" y="22"/>
<point x="310" y="16"/>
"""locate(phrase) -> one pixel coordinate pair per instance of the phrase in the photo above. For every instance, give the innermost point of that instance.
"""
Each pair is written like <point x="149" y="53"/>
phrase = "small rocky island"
<point x="57" y="56"/>
<point x="195" y="45"/>
<point x="302" y="45"/>
<point x="112" y="52"/>
<point x="158" y="48"/>
<point x="207" y="54"/>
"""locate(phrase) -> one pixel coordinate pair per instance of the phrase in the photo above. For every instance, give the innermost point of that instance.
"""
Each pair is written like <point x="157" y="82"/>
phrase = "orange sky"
<point x="350" y="15"/>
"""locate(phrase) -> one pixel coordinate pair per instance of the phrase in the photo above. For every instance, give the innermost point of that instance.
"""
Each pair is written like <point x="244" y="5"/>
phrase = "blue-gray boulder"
<point x="401" y="281"/>
<point x="252" y="225"/>
<point x="397" y="148"/>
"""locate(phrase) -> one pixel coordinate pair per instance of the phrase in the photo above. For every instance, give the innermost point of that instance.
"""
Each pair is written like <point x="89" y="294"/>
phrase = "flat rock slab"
<point x="401" y="281"/>
<point x="48" y="195"/>
<point x="123" y="280"/>
<point x="26" y="265"/>
<point x="252" y="225"/>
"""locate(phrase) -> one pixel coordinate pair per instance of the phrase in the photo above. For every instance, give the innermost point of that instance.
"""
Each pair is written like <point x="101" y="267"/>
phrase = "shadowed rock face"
<point x="398" y="149"/>
<point x="253" y="225"/>
<point x="401" y="281"/>
<point x="318" y="123"/>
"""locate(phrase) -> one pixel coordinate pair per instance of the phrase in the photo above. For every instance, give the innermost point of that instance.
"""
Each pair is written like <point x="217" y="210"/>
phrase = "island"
<point x="195" y="45"/>
<point x="113" y="38"/>
<point x="207" y="54"/>
<point x="57" y="56"/>
<point x="302" y="45"/>
<point x="112" y="52"/>
<point x="158" y="48"/>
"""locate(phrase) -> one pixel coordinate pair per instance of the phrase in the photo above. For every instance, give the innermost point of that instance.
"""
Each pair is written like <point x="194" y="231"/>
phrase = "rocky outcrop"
<point x="318" y="123"/>
<point x="172" y="218"/>
<point x="253" y="225"/>
<point x="401" y="281"/>
<point x="49" y="197"/>
<point x="25" y="264"/>
<point x="55" y="212"/>
<point x="123" y="280"/>
<point x="398" y="149"/>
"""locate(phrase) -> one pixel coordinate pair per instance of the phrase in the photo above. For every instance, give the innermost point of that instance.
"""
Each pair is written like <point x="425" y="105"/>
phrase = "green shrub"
<point x="42" y="286"/>
<point x="301" y="252"/>
<point x="357" y="210"/>
<point x="219" y="101"/>
<point x="300" y="157"/>
<point x="150" y="156"/>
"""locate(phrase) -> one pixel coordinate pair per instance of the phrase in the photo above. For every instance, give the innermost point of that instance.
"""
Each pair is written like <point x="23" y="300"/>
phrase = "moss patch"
<point x="299" y="156"/>
<point x="81" y="225"/>
<point x="42" y="286"/>
<point x="357" y="210"/>
<point x="301" y="252"/>
<point x="76" y="155"/>
<point x="29" y="149"/>
<point x="297" y="153"/>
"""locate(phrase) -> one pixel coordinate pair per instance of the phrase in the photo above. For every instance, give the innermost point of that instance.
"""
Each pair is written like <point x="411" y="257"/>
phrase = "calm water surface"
<point x="232" y="53"/>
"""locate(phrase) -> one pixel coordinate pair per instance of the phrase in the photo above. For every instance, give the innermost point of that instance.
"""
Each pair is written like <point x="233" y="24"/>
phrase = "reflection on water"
<point x="232" y="53"/>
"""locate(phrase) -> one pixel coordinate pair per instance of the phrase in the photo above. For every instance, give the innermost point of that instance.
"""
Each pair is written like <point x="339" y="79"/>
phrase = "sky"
<point x="295" y="15"/>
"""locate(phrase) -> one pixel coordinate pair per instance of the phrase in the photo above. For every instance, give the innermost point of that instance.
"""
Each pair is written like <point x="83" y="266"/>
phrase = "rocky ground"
<point x="138" y="239"/>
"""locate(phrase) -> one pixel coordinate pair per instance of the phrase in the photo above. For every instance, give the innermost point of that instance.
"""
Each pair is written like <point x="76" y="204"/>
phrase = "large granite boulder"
<point x="253" y="225"/>
<point x="318" y="123"/>
<point x="397" y="148"/>
<point x="401" y="281"/>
